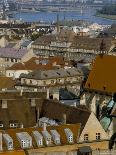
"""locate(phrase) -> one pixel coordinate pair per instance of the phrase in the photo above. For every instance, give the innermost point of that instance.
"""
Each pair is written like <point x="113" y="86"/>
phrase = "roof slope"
<point x="14" y="152"/>
<point x="7" y="82"/>
<point x="12" y="53"/>
<point x="40" y="63"/>
<point x="103" y="74"/>
<point x="55" y="110"/>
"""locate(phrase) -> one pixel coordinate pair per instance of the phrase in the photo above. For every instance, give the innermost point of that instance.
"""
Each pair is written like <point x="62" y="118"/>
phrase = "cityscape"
<point x="57" y="77"/>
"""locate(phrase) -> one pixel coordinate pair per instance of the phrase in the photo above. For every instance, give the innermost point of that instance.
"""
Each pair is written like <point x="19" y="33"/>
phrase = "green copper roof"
<point x="105" y="122"/>
<point x="110" y="104"/>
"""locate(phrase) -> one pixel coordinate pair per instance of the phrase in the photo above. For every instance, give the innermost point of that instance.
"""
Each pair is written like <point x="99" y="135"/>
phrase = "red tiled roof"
<point x="32" y="64"/>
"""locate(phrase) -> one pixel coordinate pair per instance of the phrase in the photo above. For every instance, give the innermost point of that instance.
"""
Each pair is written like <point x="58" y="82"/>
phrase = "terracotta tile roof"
<point x="14" y="152"/>
<point x="7" y="82"/>
<point x="75" y="128"/>
<point x="41" y="63"/>
<point x="103" y="74"/>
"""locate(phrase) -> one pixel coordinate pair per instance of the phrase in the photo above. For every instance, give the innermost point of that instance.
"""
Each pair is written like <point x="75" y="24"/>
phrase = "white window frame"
<point x="13" y="125"/>
<point x="1" y="125"/>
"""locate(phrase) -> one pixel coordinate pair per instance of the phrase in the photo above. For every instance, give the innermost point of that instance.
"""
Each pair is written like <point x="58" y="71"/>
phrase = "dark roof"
<point x="85" y="149"/>
<point x="91" y="43"/>
<point x="55" y="110"/>
<point x="19" y="109"/>
<point x="63" y="36"/>
<point x="12" y="53"/>
<point x="51" y="74"/>
<point x="25" y="43"/>
<point x="103" y="74"/>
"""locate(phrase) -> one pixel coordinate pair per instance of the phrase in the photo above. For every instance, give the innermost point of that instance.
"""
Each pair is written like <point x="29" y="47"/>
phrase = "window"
<point x="23" y="144"/>
<point x="44" y="82"/>
<point x="86" y="137"/>
<point x="98" y="136"/>
<point x="10" y="144"/>
<point x="13" y="125"/>
<point x="70" y="139"/>
<point x="30" y="81"/>
<point x="1" y="125"/>
<point x="52" y="81"/>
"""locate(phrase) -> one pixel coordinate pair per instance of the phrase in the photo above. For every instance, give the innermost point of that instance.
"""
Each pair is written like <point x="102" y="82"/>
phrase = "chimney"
<point x="38" y="114"/>
<point x="1" y="141"/>
<point x="44" y="126"/>
<point x="64" y="118"/>
<point x="58" y="26"/>
<point x="22" y="126"/>
<point x="21" y="92"/>
<point x="48" y="93"/>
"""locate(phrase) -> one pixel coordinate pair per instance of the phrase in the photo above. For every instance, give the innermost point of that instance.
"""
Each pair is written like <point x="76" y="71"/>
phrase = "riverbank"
<point x="111" y="17"/>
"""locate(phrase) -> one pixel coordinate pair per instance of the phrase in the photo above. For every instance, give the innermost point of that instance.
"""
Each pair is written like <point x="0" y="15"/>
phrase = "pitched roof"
<point x="75" y="128"/>
<point x="55" y="110"/>
<point x="7" y="82"/>
<point x="28" y="114"/>
<point x="12" y="53"/>
<point x="63" y="36"/>
<point x="77" y="42"/>
<point x="40" y="63"/>
<point x="91" y="43"/>
<point x="14" y="152"/>
<point x="51" y="74"/>
<point x="103" y="74"/>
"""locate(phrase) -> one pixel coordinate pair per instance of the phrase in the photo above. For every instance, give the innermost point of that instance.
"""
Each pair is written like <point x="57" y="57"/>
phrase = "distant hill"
<point x="108" y="10"/>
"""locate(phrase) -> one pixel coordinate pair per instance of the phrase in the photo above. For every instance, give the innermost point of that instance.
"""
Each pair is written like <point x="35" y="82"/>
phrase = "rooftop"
<point x="7" y="82"/>
<point x="12" y="53"/>
<point x="75" y="129"/>
<point x="41" y="63"/>
<point x="52" y="73"/>
<point x="103" y="75"/>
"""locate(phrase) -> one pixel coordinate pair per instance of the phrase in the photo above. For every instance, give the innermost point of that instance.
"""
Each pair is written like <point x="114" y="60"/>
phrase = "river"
<point x="88" y="15"/>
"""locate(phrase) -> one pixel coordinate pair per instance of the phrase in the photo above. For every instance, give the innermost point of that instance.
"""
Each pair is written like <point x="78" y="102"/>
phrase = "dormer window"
<point x="1" y="125"/>
<point x="69" y="135"/>
<point x="13" y="125"/>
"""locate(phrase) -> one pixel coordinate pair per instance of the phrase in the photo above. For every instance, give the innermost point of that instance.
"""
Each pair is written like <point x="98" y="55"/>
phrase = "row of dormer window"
<point x="25" y="139"/>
